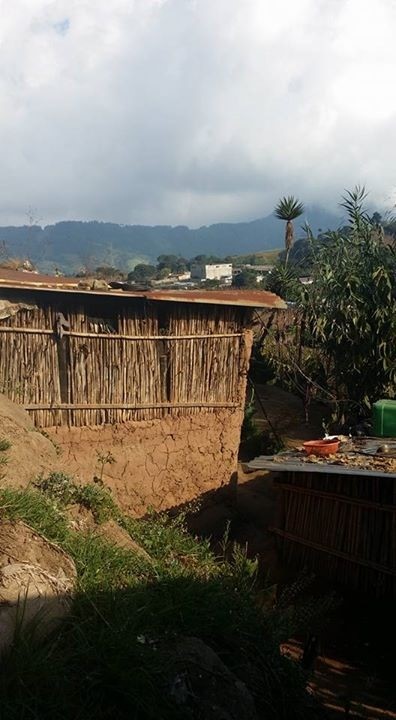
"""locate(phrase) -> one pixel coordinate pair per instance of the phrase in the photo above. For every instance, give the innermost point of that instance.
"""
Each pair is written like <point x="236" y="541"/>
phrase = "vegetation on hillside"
<point x="75" y="246"/>
<point x="268" y="257"/>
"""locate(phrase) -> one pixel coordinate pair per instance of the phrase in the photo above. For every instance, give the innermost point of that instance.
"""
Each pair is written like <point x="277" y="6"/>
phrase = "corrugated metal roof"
<point x="16" y="279"/>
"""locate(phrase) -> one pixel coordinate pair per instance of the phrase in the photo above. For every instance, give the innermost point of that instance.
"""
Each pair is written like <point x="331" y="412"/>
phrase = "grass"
<point x="112" y="656"/>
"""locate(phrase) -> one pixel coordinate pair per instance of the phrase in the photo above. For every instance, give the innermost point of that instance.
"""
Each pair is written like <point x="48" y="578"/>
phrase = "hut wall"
<point x="97" y="360"/>
<point x="160" y="463"/>
<point x="157" y="387"/>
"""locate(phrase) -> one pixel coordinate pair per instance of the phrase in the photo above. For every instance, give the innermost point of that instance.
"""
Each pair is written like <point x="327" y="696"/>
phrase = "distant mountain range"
<point x="73" y="245"/>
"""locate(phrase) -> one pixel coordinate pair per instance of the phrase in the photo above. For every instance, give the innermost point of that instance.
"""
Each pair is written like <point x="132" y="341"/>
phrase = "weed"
<point x="103" y="460"/>
<point x="249" y="427"/>
<point x="57" y="485"/>
<point x="4" y="445"/>
<point x="62" y="488"/>
<point x="97" y="499"/>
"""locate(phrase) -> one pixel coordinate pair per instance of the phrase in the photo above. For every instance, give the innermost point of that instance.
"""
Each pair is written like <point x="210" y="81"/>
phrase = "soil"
<point x="19" y="543"/>
<point x="37" y="580"/>
<point x="345" y="687"/>
<point x="286" y="414"/>
<point x="30" y="454"/>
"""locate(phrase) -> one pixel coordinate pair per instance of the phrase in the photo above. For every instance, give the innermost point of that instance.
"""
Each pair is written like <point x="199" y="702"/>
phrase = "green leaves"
<point x="341" y="343"/>
<point x="284" y="281"/>
<point x="289" y="208"/>
<point x="350" y="312"/>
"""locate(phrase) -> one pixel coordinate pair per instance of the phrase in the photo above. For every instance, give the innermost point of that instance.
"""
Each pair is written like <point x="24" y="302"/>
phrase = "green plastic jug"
<point x="384" y="418"/>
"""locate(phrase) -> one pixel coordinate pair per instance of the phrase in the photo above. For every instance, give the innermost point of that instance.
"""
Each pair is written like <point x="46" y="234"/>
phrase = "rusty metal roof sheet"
<point x="16" y="279"/>
<point x="33" y="279"/>
<point x="243" y="298"/>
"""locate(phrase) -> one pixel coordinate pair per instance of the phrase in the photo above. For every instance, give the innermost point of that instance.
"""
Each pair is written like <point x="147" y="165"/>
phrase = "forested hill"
<point x="72" y="245"/>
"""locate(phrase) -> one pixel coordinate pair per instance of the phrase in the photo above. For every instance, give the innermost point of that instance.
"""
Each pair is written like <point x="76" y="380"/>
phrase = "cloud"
<point x="192" y="111"/>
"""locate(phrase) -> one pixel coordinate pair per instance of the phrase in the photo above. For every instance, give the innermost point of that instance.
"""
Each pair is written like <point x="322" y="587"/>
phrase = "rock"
<point x="93" y="284"/>
<point x="99" y="285"/>
<point x="115" y="534"/>
<point x="204" y="686"/>
<point x="37" y="580"/>
<point x="85" y="284"/>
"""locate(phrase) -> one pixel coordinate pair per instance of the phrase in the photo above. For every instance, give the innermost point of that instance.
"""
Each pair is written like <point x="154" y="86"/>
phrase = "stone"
<point x="115" y="534"/>
<point x="203" y="685"/>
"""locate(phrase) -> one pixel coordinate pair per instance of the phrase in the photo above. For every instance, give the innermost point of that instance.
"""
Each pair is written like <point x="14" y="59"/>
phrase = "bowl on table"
<point x="322" y="447"/>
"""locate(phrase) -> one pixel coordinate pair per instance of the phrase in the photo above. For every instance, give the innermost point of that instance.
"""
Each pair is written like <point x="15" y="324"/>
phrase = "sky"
<point x="188" y="112"/>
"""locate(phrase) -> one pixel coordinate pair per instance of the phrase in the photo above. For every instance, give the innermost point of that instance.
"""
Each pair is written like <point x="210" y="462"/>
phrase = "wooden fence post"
<point x="62" y="346"/>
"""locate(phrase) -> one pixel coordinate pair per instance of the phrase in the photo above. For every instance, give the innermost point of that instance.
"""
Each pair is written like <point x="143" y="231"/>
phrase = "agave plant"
<point x="289" y="209"/>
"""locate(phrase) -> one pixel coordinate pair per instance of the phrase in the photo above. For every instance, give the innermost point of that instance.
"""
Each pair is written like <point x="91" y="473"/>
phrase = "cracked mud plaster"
<point x="158" y="463"/>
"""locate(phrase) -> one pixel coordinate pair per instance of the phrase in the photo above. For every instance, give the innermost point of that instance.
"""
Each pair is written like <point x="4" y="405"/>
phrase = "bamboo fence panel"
<point x="205" y="369"/>
<point x="342" y="527"/>
<point x="191" y="319"/>
<point x="113" y="371"/>
<point x="29" y="372"/>
<point x="135" y="359"/>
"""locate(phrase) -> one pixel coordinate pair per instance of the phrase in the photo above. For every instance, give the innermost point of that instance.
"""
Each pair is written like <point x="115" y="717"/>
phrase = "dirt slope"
<point x="30" y="453"/>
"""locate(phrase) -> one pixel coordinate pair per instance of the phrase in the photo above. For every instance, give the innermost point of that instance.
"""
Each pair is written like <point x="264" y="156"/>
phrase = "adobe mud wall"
<point x="157" y="463"/>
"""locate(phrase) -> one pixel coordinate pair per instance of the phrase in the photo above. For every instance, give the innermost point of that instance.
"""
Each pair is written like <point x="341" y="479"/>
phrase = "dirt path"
<point x="286" y="413"/>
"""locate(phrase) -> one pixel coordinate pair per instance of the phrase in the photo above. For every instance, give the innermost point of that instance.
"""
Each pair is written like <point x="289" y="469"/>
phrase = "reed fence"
<point x="147" y="364"/>
<point x="343" y="527"/>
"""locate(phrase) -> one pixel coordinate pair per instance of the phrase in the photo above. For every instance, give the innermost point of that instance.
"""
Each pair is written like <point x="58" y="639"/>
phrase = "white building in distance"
<point x="221" y="272"/>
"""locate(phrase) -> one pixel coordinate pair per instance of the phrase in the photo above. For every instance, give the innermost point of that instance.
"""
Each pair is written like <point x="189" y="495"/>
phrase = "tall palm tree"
<point x="289" y="209"/>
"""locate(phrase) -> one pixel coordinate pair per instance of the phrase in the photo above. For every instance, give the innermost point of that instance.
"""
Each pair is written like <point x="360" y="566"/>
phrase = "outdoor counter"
<point x="338" y="522"/>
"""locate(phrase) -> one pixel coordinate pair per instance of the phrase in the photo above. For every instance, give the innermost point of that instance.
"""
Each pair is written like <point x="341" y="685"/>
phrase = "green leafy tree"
<point x="350" y="310"/>
<point x="246" y="279"/>
<point x="289" y="209"/>
<point x="207" y="259"/>
<point x="175" y="263"/>
<point x="163" y="272"/>
<point x="210" y="285"/>
<point x="142" y="272"/>
<point x="339" y="343"/>
<point x="284" y="281"/>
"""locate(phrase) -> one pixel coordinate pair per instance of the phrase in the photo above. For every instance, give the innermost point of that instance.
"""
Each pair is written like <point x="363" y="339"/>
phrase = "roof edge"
<point x="230" y="297"/>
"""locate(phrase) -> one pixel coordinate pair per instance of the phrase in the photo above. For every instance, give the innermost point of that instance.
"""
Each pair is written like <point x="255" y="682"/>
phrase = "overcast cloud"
<point x="193" y="111"/>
